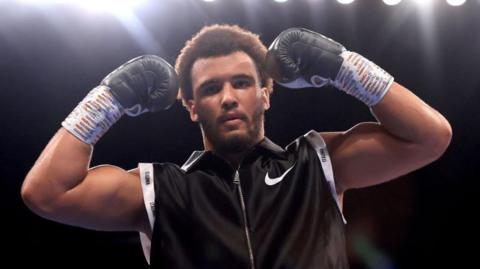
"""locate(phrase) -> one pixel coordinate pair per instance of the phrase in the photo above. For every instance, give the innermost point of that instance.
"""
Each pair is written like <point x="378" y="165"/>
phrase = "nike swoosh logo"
<point x="272" y="181"/>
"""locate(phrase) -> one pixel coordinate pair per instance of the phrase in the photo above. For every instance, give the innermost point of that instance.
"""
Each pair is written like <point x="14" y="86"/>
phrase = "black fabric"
<point x="292" y="224"/>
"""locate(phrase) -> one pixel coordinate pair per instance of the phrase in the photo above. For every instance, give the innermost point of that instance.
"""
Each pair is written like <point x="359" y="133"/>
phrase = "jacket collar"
<point x="264" y="146"/>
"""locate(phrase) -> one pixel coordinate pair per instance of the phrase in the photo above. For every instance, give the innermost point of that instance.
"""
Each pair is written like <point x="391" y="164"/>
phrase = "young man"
<point x="243" y="202"/>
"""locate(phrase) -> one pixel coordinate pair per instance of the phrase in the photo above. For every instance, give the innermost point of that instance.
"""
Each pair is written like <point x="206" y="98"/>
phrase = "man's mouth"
<point x="232" y="118"/>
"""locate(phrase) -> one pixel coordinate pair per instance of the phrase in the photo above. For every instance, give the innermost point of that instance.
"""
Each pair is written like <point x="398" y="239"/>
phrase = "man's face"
<point x="228" y="102"/>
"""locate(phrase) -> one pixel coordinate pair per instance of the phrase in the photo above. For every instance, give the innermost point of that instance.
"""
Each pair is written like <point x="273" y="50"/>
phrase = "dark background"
<point x="52" y="55"/>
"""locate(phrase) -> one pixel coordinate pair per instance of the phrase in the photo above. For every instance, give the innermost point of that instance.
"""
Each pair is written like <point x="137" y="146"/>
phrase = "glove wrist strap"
<point x="362" y="78"/>
<point x="94" y="115"/>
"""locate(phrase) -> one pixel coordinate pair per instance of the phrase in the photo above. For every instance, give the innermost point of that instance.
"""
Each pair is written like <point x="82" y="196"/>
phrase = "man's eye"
<point x="210" y="89"/>
<point x="242" y="83"/>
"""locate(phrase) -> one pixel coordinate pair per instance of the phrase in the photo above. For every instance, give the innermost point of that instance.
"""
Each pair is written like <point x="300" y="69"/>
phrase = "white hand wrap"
<point x="362" y="78"/>
<point x="94" y="115"/>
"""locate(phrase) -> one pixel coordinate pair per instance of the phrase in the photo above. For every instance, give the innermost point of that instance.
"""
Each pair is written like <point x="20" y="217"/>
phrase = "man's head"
<point x="219" y="40"/>
<point x="224" y="87"/>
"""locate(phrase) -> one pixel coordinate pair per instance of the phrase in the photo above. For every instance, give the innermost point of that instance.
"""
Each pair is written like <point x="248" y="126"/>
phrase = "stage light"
<point x="281" y="1"/>
<point x="392" y="2"/>
<point x="209" y="0"/>
<point x="108" y="5"/>
<point x="344" y="2"/>
<point x="104" y="5"/>
<point x="423" y="2"/>
<point x="456" y="2"/>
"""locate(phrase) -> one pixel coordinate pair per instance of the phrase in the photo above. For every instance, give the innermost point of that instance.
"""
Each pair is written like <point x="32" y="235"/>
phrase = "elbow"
<point x="445" y="137"/>
<point x="439" y="140"/>
<point x="32" y="196"/>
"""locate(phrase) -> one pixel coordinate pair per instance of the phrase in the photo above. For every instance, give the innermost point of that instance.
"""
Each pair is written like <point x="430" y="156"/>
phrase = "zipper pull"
<point x="236" y="178"/>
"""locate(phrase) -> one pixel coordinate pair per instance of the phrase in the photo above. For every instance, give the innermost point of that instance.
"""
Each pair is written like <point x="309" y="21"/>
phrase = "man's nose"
<point x="229" y="99"/>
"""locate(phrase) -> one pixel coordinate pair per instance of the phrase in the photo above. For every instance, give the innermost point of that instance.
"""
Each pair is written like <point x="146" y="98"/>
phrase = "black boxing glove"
<point x="300" y="58"/>
<point x="145" y="83"/>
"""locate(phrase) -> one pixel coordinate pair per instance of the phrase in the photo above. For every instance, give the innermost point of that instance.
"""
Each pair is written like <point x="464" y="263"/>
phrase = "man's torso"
<point x="276" y="210"/>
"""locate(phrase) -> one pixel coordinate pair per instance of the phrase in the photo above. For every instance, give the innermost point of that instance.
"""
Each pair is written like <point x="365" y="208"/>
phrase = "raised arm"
<point x="61" y="186"/>
<point x="408" y="135"/>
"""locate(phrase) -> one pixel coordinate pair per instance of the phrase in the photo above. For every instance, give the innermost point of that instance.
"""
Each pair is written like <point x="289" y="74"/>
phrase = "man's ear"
<point x="192" y="110"/>
<point x="265" y="98"/>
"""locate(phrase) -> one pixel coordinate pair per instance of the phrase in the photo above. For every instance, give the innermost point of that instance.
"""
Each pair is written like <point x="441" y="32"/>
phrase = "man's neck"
<point x="233" y="158"/>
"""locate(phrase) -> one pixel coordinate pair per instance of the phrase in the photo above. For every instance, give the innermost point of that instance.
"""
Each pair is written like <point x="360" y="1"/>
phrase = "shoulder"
<point x="162" y="179"/>
<point x="316" y="140"/>
<point x="331" y="138"/>
<point x="157" y="169"/>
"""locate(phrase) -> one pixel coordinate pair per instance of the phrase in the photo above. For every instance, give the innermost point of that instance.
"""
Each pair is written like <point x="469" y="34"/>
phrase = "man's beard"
<point x="236" y="143"/>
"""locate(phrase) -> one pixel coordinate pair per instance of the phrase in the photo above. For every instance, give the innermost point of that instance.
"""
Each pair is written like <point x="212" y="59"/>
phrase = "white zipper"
<point x="236" y="180"/>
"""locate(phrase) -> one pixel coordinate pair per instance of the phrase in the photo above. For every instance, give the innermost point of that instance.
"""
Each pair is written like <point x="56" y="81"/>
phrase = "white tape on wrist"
<point x="94" y="115"/>
<point x="362" y="78"/>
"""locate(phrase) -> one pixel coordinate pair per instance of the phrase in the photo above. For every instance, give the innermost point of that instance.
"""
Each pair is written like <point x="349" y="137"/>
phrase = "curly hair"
<point x="219" y="40"/>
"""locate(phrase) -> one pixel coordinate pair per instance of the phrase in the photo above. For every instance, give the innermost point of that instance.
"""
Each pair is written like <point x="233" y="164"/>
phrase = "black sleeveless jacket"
<point x="209" y="215"/>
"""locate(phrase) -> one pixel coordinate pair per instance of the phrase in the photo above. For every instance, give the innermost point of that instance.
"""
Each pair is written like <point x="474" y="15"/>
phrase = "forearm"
<point x="61" y="166"/>
<point x="408" y="118"/>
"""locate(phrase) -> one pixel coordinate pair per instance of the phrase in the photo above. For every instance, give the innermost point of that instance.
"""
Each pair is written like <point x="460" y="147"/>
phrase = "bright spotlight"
<point x="423" y="2"/>
<point x="456" y="2"/>
<point x="108" y="5"/>
<point x="209" y="0"/>
<point x="281" y="1"/>
<point x="104" y="5"/>
<point x="344" y="2"/>
<point x="392" y="2"/>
